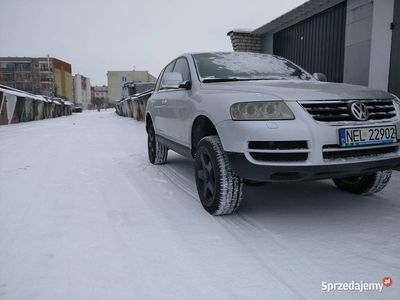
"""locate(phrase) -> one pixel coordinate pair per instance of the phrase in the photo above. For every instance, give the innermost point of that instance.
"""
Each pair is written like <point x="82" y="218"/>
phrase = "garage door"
<point x="317" y="43"/>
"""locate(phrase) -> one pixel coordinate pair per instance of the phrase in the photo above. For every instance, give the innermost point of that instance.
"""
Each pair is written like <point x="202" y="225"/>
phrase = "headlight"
<point x="271" y="110"/>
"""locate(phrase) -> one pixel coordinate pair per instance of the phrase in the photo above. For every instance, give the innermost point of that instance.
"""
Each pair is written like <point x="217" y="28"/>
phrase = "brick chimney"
<point x="244" y="41"/>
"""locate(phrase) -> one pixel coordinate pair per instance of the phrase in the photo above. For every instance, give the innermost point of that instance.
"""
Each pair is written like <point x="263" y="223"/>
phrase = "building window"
<point x="7" y="67"/>
<point x="8" y="77"/>
<point x="24" y="67"/>
<point x="26" y="76"/>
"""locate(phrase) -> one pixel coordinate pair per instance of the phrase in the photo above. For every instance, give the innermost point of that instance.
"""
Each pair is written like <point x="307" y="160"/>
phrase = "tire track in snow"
<point x="180" y="181"/>
<point x="236" y="225"/>
<point x="233" y="220"/>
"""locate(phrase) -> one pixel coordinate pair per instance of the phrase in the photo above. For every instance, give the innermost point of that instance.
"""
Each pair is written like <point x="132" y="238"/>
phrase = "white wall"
<point x="357" y="52"/>
<point x="77" y="89"/>
<point x="82" y="96"/>
<point x="86" y="95"/>
<point x="381" y="41"/>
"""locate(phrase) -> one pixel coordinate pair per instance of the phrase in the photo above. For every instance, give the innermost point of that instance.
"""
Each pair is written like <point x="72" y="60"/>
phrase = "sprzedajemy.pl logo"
<point x="356" y="286"/>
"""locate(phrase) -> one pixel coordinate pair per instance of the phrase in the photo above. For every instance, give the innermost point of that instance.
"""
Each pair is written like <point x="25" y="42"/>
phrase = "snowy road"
<point x="84" y="215"/>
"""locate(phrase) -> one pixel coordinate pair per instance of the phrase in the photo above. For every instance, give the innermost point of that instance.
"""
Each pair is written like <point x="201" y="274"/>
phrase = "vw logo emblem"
<point x="359" y="111"/>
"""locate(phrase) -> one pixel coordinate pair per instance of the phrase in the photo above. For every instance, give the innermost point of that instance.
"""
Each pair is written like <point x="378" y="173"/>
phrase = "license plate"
<point x="353" y="137"/>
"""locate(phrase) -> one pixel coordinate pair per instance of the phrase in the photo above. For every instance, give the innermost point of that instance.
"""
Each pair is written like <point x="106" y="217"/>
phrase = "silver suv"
<point x="247" y="118"/>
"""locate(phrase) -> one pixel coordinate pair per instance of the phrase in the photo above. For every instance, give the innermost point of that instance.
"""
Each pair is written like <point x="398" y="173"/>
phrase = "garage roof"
<point x="291" y="15"/>
<point x="18" y="93"/>
<point x="11" y="92"/>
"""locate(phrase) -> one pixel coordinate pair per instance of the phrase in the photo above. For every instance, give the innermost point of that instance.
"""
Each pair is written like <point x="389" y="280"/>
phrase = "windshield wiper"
<point x="220" y="79"/>
<point x="269" y="78"/>
<point x="240" y="79"/>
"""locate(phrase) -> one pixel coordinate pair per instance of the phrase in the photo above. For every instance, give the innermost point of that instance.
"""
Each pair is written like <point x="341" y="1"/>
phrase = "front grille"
<point x="337" y="111"/>
<point x="278" y="145"/>
<point x="279" y="156"/>
<point x="340" y="153"/>
<point x="278" y="151"/>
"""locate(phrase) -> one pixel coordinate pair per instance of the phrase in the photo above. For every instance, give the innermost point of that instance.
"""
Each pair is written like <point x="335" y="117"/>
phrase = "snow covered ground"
<point x="84" y="215"/>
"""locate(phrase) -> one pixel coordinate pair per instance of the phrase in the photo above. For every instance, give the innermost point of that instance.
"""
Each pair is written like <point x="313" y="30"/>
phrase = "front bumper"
<point x="301" y="149"/>
<point x="275" y="173"/>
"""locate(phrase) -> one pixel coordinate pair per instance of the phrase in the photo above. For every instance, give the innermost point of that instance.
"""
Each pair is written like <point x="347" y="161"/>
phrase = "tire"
<point x="364" y="185"/>
<point x="219" y="188"/>
<point x="157" y="152"/>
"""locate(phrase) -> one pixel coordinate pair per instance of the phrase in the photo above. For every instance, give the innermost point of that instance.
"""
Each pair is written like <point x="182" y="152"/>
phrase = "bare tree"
<point x="99" y="103"/>
<point x="55" y="90"/>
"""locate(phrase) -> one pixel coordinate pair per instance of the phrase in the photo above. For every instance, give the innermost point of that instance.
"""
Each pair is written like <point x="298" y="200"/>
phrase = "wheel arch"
<point x="149" y="121"/>
<point x="202" y="127"/>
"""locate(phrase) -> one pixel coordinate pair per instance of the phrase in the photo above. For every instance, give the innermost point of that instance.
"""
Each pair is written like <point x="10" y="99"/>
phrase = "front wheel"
<point x="219" y="188"/>
<point x="366" y="184"/>
<point x="157" y="152"/>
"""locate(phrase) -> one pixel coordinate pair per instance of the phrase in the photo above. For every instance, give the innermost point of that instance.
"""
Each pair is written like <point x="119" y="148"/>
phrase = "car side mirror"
<point x="186" y="85"/>
<point x="172" y="80"/>
<point x="320" y="76"/>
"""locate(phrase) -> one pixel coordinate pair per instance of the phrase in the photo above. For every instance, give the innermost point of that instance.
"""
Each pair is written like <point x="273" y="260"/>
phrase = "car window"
<point x="168" y="68"/>
<point x="159" y="81"/>
<point x="246" y="65"/>
<point x="182" y="67"/>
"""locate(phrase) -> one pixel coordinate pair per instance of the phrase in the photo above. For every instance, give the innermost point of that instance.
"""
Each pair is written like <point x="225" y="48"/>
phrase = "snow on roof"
<point x="241" y="30"/>
<point x="19" y="93"/>
<point x="37" y="97"/>
<point x="12" y="92"/>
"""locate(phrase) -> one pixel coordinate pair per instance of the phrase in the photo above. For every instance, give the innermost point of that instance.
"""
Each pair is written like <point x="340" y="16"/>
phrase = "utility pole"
<point x="51" y="76"/>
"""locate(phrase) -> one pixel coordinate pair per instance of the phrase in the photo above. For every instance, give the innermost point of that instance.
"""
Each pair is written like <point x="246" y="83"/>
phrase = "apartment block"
<point x="117" y="80"/>
<point x="81" y="91"/>
<point x="46" y="76"/>
<point x="100" y="95"/>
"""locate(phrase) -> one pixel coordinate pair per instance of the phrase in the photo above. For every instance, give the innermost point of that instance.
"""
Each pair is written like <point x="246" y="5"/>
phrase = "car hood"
<point x="297" y="90"/>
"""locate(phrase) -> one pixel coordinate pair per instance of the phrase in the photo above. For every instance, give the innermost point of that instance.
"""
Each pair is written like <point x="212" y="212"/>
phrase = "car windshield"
<point x="236" y="66"/>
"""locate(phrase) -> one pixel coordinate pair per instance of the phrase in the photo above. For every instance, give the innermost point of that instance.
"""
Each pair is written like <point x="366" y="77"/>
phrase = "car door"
<point x="178" y="106"/>
<point x="157" y="104"/>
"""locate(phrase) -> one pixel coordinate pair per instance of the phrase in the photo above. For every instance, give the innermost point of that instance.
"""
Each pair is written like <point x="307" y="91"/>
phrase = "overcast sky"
<point x="96" y="36"/>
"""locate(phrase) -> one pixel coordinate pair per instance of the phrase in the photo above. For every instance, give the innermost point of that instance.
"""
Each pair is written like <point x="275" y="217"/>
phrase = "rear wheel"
<point x="157" y="152"/>
<point x="219" y="188"/>
<point x="366" y="184"/>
